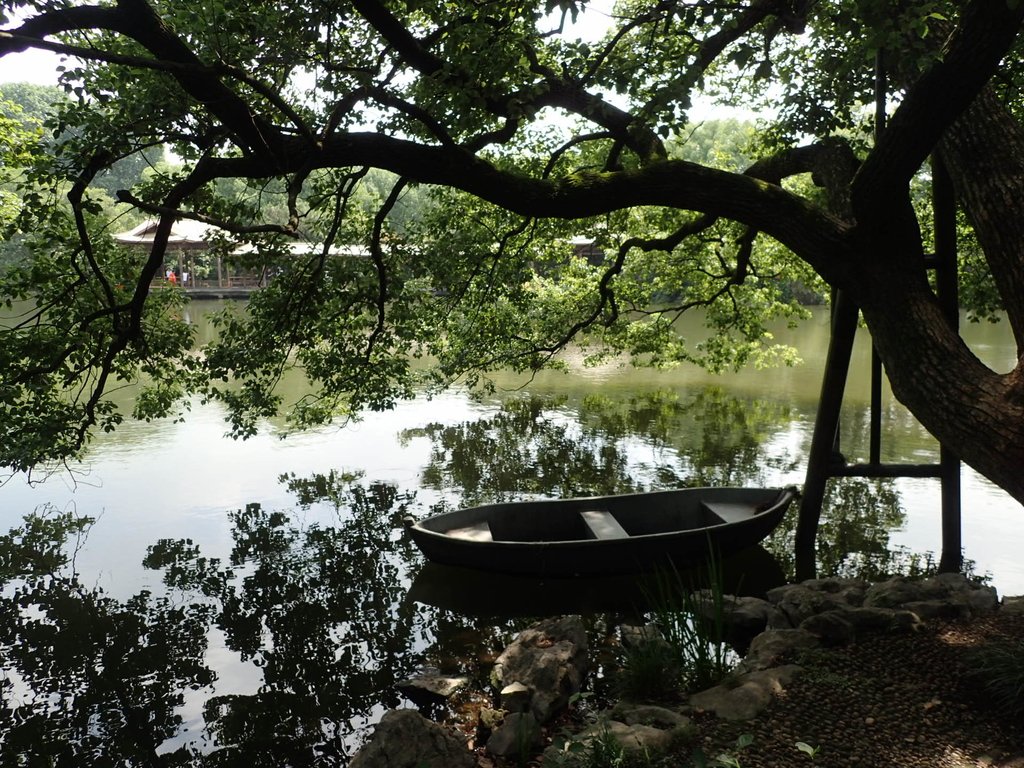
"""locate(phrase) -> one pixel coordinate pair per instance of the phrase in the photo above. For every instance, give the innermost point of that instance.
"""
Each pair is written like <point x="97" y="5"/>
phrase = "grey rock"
<point x="982" y="599"/>
<point x="550" y="659"/>
<point x="1014" y="604"/>
<point x="636" y="635"/>
<point x="831" y="627"/>
<point x="649" y="714"/>
<point x="432" y="687"/>
<point x="746" y="697"/>
<point x="944" y="596"/>
<point x="928" y="610"/>
<point x="850" y="591"/>
<point x="960" y="590"/>
<point x="775" y="594"/>
<point x="884" y="619"/>
<point x="487" y="720"/>
<point x="795" y="603"/>
<point x="405" y="739"/>
<point x="776" y="646"/>
<point x="742" y="617"/>
<point x="778" y="619"/>
<point x="894" y="593"/>
<point x="949" y="582"/>
<point x="640" y="738"/>
<point x="631" y="737"/>
<point x="518" y="735"/>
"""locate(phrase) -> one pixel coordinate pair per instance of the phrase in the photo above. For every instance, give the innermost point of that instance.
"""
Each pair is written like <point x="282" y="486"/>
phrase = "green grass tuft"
<point x="651" y="671"/>
<point x="998" y="669"/>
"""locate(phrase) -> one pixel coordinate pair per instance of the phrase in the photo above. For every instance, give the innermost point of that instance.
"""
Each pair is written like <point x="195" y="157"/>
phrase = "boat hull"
<point x="603" y="534"/>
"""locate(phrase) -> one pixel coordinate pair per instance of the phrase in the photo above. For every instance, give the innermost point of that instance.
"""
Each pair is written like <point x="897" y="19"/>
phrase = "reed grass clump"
<point x="689" y="653"/>
<point x="998" y="670"/>
<point x="651" y="671"/>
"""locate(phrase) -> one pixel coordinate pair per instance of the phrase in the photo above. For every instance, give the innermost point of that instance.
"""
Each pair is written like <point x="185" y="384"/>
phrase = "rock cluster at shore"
<point x="546" y="665"/>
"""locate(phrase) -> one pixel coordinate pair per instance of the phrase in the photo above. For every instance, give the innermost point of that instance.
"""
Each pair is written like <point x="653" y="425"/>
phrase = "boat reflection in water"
<point x="471" y="592"/>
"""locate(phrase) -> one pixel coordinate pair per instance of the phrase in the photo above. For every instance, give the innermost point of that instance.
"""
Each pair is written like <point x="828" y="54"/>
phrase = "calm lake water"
<point x="184" y="599"/>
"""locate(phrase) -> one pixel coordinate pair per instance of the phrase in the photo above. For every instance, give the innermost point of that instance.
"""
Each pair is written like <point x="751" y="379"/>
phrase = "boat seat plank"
<point x="730" y="511"/>
<point x="477" y="532"/>
<point x="603" y="525"/>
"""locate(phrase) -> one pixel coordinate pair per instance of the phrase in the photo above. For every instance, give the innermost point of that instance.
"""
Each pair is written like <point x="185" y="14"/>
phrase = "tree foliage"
<point x="523" y="134"/>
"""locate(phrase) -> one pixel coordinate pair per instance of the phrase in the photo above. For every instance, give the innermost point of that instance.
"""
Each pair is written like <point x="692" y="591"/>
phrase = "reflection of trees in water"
<point x="87" y="680"/>
<point x="525" y="448"/>
<point x="319" y="609"/>
<point x="858" y="516"/>
<point x="316" y="598"/>
<point x="717" y="438"/>
<point x="538" y="446"/>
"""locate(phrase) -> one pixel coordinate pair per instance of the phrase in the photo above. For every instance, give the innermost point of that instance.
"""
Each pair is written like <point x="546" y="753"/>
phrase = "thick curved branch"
<point x="623" y="125"/>
<point x="831" y="163"/>
<point x="76" y="197"/>
<point x="814" y="234"/>
<point x="399" y="37"/>
<point x="161" y="237"/>
<point x="377" y="254"/>
<point x="126" y="330"/>
<point x="982" y="151"/>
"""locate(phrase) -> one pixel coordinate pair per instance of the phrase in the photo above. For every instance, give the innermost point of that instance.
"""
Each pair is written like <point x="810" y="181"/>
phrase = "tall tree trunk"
<point x="984" y="152"/>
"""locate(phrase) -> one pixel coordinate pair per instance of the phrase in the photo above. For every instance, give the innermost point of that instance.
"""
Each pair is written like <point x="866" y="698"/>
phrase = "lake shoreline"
<point x="906" y="695"/>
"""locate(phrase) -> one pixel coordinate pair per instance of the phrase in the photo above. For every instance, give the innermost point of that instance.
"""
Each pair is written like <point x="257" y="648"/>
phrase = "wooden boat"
<point x="603" y="534"/>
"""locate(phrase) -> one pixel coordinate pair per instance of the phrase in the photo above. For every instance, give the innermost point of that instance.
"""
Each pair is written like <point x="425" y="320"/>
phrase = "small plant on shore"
<point x="998" y="669"/>
<point x="807" y="749"/>
<point x="651" y="671"/>
<point x="602" y="750"/>
<point x="725" y="759"/>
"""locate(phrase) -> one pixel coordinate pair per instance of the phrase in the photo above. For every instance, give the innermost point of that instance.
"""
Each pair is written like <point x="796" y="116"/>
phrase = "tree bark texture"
<point x="984" y="152"/>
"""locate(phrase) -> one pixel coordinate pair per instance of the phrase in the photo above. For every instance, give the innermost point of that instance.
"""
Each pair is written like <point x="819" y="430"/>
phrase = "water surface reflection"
<point x="172" y="633"/>
<point x="282" y="647"/>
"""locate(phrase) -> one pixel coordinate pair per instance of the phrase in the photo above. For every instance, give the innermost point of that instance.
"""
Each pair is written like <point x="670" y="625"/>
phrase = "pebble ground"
<point x="886" y="701"/>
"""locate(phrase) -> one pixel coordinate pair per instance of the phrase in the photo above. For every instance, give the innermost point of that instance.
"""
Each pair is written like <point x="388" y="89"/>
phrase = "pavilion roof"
<point x="185" y="234"/>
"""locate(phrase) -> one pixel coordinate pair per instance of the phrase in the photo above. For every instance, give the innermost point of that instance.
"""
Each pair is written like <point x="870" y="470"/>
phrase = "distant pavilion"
<point x="188" y="239"/>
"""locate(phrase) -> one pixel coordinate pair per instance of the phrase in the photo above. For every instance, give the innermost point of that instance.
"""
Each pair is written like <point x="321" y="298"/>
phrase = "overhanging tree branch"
<point x="788" y="218"/>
